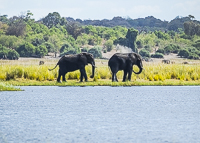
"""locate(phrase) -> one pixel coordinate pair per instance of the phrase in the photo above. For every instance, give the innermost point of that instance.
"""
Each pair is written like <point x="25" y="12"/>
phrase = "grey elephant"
<point x="125" y="62"/>
<point x="69" y="63"/>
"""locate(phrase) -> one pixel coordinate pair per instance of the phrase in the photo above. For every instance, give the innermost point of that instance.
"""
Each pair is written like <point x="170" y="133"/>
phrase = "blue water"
<point x="147" y="114"/>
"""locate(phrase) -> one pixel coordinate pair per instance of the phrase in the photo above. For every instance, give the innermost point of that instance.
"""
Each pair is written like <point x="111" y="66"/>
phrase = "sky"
<point x="102" y="9"/>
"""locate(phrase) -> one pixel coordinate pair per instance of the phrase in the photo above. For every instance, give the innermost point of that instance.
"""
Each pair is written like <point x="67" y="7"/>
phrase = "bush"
<point x="65" y="47"/>
<point x="70" y="50"/>
<point x="193" y="56"/>
<point x="12" y="55"/>
<point x="109" y="45"/>
<point x="3" y="52"/>
<point x="176" y="48"/>
<point x="183" y="53"/>
<point x="148" y="48"/>
<point x="7" y="53"/>
<point x="161" y="50"/>
<point x="85" y="49"/>
<point x="157" y="55"/>
<point x="96" y="51"/>
<point x="139" y="44"/>
<point x="26" y="50"/>
<point x="41" y="51"/>
<point x="197" y="44"/>
<point x="168" y="49"/>
<point x="144" y="53"/>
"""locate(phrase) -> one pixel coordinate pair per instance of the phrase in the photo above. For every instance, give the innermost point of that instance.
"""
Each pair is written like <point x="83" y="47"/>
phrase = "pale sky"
<point x="103" y="9"/>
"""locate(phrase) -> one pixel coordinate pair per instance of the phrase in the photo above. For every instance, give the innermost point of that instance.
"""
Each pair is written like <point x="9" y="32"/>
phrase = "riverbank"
<point x="100" y="82"/>
<point x="10" y="85"/>
<point x="16" y="73"/>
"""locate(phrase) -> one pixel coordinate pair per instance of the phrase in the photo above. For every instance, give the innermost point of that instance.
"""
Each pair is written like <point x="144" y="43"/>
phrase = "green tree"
<point x="55" y="41"/>
<point x="96" y="52"/>
<point x="74" y="29"/>
<point x="82" y="39"/>
<point x="17" y="27"/>
<point x="8" y="41"/>
<point x="161" y="50"/>
<point x="4" y="19"/>
<point x="162" y="35"/>
<point x="130" y="40"/>
<point x="53" y="19"/>
<point x="109" y="45"/>
<point x="3" y="28"/>
<point x="183" y="53"/>
<point x="157" y="55"/>
<point x="12" y="54"/>
<point x="189" y="28"/>
<point x="26" y="50"/>
<point x="41" y="51"/>
<point x="144" y="53"/>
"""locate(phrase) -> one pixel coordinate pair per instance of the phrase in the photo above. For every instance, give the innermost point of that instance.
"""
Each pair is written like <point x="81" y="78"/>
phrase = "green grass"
<point x="137" y="82"/>
<point x="7" y="87"/>
<point x="153" y="75"/>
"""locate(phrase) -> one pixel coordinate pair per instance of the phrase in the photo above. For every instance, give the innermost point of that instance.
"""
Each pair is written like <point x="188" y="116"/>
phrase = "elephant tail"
<point x="53" y="68"/>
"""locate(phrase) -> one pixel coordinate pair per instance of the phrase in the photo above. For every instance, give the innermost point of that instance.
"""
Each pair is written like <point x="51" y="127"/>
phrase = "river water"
<point x="146" y="114"/>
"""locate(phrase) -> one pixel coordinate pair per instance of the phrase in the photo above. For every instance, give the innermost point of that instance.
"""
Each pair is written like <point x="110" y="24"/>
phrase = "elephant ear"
<point x="138" y="57"/>
<point x="83" y="58"/>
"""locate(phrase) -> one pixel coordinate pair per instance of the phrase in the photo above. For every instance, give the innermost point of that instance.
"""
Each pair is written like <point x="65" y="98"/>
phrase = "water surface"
<point x="146" y="114"/>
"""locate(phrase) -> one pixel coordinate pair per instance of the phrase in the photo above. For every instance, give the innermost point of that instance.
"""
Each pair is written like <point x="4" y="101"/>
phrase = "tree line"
<point x="22" y="36"/>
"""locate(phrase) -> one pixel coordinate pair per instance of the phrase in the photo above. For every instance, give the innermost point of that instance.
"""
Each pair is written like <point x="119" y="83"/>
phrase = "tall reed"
<point x="158" y="72"/>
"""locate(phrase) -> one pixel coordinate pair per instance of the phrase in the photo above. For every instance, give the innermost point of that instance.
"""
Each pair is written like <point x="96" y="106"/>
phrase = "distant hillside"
<point x="149" y="23"/>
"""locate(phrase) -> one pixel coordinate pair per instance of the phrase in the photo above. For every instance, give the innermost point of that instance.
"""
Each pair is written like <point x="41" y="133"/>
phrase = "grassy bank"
<point x="159" y="72"/>
<point x="8" y="87"/>
<point x="154" y="74"/>
<point x="137" y="82"/>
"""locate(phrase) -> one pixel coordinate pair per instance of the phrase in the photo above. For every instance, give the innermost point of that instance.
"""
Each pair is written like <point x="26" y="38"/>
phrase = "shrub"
<point x="157" y="55"/>
<point x="96" y="51"/>
<point x="12" y="55"/>
<point x="109" y="45"/>
<point x="7" y="53"/>
<point x="148" y="48"/>
<point x="193" y="56"/>
<point x="85" y="49"/>
<point x="26" y="50"/>
<point x="65" y="47"/>
<point x="168" y="49"/>
<point x="41" y="51"/>
<point x="144" y="53"/>
<point x="139" y="44"/>
<point x="183" y="53"/>
<point x="161" y="50"/>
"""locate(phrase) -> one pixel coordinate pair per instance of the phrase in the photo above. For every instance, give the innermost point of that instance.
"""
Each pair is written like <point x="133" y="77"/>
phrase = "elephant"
<point x="69" y="63"/>
<point x="41" y="63"/>
<point x="125" y="62"/>
<point x="166" y="61"/>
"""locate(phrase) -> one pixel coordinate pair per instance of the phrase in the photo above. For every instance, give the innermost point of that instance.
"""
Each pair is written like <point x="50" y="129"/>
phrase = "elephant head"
<point x="137" y="60"/>
<point x="91" y="61"/>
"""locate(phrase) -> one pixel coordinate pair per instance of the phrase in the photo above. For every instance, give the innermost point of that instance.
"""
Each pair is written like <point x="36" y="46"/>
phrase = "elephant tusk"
<point x="94" y="65"/>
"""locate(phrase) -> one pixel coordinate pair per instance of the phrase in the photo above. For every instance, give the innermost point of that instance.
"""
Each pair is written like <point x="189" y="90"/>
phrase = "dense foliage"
<point x="22" y="36"/>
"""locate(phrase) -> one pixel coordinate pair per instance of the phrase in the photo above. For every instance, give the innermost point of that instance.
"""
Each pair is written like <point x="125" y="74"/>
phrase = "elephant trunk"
<point x="140" y="67"/>
<point x="93" y="69"/>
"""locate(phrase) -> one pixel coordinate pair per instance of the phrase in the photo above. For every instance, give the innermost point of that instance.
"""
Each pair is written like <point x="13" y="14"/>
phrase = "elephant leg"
<point x="114" y="77"/>
<point x="129" y="75"/>
<point x="125" y="74"/>
<point x="59" y="75"/>
<point x="83" y="74"/>
<point x="64" y="79"/>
